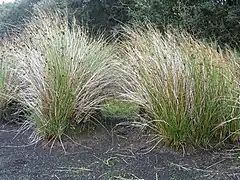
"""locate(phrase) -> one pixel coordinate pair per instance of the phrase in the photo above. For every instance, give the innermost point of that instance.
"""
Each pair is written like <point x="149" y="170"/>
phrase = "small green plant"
<point x="184" y="84"/>
<point x="67" y="73"/>
<point x="120" y="108"/>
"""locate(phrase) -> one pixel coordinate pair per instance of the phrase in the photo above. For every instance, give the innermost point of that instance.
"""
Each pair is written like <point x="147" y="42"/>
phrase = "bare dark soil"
<point x="124" y="153"/>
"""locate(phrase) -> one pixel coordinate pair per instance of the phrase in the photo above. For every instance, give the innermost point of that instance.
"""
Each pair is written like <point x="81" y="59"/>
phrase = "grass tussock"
<point x="67" y="74"/>
<point x="186" y="86"/>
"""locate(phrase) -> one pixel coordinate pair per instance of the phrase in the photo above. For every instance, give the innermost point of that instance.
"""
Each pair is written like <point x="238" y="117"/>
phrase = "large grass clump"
<point x="185" y="85"/>
<point x="66" y="72"/>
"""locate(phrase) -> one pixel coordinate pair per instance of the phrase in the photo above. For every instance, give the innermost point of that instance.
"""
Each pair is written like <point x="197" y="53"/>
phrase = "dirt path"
<point x="106" y="157"/>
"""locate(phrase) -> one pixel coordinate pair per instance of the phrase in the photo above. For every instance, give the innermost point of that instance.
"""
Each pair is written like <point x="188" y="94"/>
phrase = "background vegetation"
<point x="207" y="19"/>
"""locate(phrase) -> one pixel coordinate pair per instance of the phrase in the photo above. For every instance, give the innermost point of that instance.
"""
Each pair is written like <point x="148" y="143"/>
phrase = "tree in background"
<point x="103" y="15"/>
<point x="207" y="19"/>
<point x="98" y="15"/>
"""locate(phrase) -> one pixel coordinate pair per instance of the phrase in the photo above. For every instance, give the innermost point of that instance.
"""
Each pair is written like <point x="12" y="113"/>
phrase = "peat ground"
<point x="123" y="153"/>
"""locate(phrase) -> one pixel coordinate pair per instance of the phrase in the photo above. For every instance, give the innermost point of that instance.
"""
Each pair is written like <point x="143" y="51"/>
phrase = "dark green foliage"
<point x="103" y="15"/>
<point x="207" y="19"/>
<point x="214" y="20"/>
